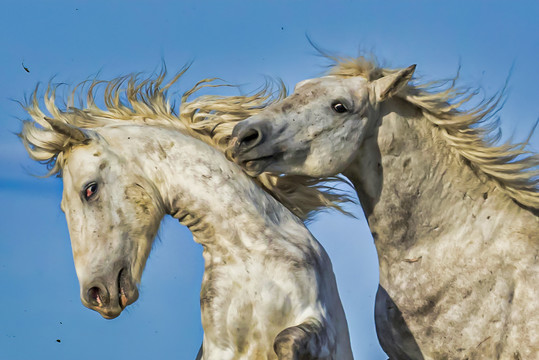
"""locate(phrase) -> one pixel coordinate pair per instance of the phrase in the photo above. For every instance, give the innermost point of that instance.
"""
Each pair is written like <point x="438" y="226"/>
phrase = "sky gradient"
<point x="241" y="42"/>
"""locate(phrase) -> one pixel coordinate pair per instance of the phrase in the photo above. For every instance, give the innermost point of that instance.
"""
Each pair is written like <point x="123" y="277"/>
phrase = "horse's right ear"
<point x="390" y="85"/>
<point x="72" y="132"/>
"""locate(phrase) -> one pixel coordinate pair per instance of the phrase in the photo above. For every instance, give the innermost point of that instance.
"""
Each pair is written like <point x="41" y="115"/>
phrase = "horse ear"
<point x="70" y="131"/>
<point x="303" y="82"/>
<point x="389" y="85"/>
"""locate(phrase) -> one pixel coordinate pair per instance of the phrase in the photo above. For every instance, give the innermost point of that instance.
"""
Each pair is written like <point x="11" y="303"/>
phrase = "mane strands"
<point x="145" y="101"/>
<point x="472" y="133"/>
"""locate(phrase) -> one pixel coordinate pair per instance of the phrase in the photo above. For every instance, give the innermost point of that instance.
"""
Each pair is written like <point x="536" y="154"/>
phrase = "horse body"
<point x="268" y="289"/>
<point x="264" y="272"/>
<point x="459" y="259"/>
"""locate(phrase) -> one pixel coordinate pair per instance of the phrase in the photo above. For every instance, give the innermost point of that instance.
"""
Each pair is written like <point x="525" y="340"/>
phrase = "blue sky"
<point x="241" y="42"/>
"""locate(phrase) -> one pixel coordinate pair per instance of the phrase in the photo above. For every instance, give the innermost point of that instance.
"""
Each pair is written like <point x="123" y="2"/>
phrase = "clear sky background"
<point x="241" y="42"/>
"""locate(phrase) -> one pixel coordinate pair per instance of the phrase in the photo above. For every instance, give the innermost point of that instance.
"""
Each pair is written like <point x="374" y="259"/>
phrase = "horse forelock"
<point x="471" y="130"/>
<point x="140" y="100"/>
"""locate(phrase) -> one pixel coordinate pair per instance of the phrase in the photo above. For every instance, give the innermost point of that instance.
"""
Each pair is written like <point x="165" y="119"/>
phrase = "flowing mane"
<point x="472" y="133"/>
<point x="144" y="100"/>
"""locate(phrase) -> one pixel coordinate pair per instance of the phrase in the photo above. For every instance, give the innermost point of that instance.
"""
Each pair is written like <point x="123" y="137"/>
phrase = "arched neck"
<point x="409" y="181"/>
<point x="205" y="191"/>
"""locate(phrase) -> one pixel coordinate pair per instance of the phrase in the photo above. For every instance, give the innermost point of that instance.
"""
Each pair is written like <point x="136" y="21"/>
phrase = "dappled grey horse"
<point x="268" y="290"/>
<point x="454" y="216"/>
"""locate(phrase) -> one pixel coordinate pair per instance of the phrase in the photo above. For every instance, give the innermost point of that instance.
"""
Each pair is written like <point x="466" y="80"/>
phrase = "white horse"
<point x="268" y="290"/>
<point x="454" y="217"/>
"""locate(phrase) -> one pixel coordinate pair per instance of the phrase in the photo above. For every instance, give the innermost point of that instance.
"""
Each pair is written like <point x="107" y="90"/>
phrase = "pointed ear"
<point x="70" y="131"/>
<point x="389" y="85"/>
<point x="301" y="83"/>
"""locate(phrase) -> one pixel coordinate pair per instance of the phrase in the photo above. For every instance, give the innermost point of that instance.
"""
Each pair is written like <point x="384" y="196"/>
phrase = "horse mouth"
<point x="255" y="167"/>
<point x="127" y="291"/>
<point x="127" y="294"/>
<point x="122" y="282"/>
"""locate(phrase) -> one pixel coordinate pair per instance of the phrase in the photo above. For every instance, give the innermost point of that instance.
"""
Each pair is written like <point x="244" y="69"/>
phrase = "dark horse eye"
<point x="339" y="107"/>
<point x="90" y="190"/>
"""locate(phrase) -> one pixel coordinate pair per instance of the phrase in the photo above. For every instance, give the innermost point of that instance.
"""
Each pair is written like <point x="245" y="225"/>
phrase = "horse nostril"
<point x="97" y="296"/>
<point x="250" y="138"/>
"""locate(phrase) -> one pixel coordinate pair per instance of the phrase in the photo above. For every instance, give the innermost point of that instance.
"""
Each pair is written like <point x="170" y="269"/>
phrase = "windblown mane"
<point x="208" y="118"/>
<point x="472" y="133"/>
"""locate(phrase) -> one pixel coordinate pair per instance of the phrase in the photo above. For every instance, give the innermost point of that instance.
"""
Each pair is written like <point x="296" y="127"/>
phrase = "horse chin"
<point x="109" y="314"/>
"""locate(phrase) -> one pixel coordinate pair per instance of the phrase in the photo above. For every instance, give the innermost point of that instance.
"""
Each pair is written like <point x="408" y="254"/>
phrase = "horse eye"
<point x="339" y="107"/>
<point x="90" y="190"/>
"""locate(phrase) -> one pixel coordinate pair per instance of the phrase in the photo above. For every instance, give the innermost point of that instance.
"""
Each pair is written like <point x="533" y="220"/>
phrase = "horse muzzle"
<point x="110" y="295"/>
<point x="246" y="136"/>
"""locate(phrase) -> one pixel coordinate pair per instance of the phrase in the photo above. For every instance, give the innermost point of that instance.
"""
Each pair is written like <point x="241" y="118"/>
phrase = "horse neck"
<point x="413" y="187"/>
<point x="209" y="194"/>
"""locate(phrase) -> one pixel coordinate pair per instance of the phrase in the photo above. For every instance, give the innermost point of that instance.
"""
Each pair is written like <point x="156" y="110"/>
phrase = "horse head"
<point x="317" y="130"/>
<point x="113" y="214"/>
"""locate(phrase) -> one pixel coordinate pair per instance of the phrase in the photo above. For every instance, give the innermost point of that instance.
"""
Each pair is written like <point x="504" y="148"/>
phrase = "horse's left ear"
<point x="389" y="85"/>
<point x="73" y="133"/>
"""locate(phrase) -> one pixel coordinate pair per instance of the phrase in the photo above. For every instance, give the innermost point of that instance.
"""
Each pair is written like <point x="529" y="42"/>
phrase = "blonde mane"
<point x="145" y="101"/>
<point x="472" y="133"/>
